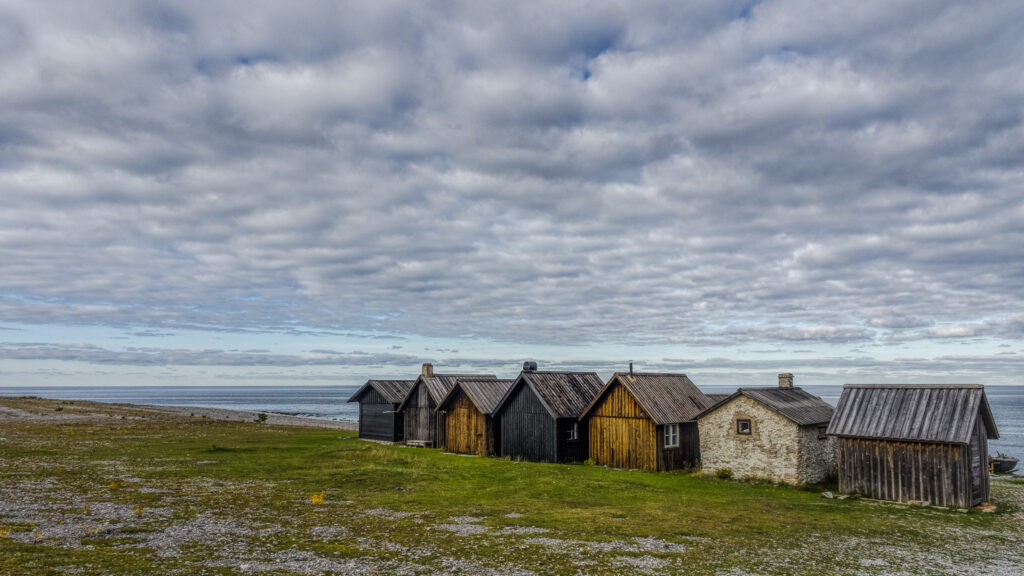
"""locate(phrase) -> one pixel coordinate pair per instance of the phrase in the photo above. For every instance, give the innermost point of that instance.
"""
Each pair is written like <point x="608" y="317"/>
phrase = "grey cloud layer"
<point x="707" y="175"/>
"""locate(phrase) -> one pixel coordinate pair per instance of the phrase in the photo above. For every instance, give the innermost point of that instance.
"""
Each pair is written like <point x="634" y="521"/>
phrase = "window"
<point x="574" y="431"/>
<point x="671" y="435"/>
<point x="821" y="431"/>
<point x="743" y="426"/>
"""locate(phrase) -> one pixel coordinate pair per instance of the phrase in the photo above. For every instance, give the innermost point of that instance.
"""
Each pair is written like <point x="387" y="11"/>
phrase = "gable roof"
<point x="796" y="404"/>
<point x="439" y="385"/>
<point x="564" y="394"/>
<point x="484" y="394"/>
<point x="666" y="398"/>
<point x="394" y="391"/>
<point x="912" y="412"/>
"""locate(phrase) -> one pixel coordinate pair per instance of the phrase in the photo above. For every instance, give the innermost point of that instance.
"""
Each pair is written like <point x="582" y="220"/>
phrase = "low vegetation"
<point x="99" y="489"/>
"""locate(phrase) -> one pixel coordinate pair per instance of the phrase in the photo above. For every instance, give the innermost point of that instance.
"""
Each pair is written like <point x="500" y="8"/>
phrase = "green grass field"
<point x="97" y="493"/>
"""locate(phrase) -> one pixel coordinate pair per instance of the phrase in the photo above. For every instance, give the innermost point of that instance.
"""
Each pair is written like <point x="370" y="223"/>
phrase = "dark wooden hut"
<point x="379" y="418"/>
<point x="646" y="421"/>
<point x="422" y="426"/>
<point x="467" y="415"/>
<point x="914" y="443"/>
<point x="539" y="415"/>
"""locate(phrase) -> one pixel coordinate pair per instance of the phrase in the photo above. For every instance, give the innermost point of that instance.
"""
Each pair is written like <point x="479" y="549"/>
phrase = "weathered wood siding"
<point x="978" y="449"/>
<point x="938" y="474"/>
<point x="377" y="420"/>
<point x="686" y="455"/>
<point x="465" y="427"/>
<point x="621" y="434"/>
<point x="567" y="450"/>
<point x="527" y="429"/>
<point x="420" y="420"/>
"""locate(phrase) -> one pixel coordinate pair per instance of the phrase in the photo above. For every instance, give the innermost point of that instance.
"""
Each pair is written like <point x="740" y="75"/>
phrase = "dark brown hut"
<point x="646" y="421"/>
<point x="467" y="415"/>
<point x="539" y="415"/>
<point x="379" y="418"/>
<point x="914" y="443"/>
<point x="421" y="422"/>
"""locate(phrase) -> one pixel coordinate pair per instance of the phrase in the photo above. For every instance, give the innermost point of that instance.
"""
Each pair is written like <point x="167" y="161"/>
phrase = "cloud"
<point x="134" y="356"/>
<point x="707" y="176"/>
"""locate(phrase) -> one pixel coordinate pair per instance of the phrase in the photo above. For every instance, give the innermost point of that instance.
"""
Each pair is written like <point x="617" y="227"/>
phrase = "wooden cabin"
<point x="422" y="427"/>
<point x="539" y="415"/>
<point x="467" y="411"/>
<point x="914" y="443"/>
<point x="379" y="418"/>
<point x="646" y="421"/>
<point x="776" y="434"/>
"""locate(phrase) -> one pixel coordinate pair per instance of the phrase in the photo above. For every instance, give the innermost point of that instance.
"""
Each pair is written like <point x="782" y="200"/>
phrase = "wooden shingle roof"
<point x="484" y="394"/>
<point x="666" y="398"/>
<point x="439" y="385"/>
<point x="565" y="394"/>
<point x="944" y="413"/>
<point x="393" y="391"/>
<point x="796" y="404"/>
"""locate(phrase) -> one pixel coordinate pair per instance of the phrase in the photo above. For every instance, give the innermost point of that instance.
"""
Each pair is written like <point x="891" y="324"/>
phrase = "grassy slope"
<point x="261" y="476"/>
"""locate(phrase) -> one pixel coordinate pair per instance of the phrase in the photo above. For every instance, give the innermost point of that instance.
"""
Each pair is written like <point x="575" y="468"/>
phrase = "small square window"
<point x="671" y="435"/>
<point x="574" y="431"/>
<point x="821" y="431"/>
<point x="743" y="426"/>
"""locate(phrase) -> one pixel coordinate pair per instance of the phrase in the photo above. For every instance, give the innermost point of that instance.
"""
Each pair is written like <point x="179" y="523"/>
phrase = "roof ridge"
<point x="911" y="386"/>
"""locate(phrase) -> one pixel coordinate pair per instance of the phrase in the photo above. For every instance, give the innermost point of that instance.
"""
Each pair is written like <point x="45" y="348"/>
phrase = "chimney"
<point x="630" y="367"/>
<point x="427" y="371"/>
<point x="785" y="380"/>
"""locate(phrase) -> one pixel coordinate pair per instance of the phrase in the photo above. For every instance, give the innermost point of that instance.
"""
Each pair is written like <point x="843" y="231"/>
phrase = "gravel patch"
<point x="389" y="514"/>
<point x="305" y="562"/>
<point x="228" y="537"/>
<point x="523" y="530"/>
<point x="636" y="545"/>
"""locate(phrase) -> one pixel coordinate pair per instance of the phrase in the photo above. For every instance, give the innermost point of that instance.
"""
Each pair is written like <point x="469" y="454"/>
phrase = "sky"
<point x="215" y="193"/>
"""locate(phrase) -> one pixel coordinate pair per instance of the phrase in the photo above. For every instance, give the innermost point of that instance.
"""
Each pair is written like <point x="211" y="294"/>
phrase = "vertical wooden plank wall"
<point x="419" y="416"/>
<point x="905" y="471"/>
<point x="527" y="429"/>
<point x="621" y="434"/>
<point x="978" y="449"/>
<point x="376" y="418"/>
<point x="465" y="428"/>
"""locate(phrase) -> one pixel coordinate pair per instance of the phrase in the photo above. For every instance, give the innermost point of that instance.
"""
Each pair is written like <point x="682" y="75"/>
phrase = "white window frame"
<point x="574" y="433"/>
<point x="671" y="435"/>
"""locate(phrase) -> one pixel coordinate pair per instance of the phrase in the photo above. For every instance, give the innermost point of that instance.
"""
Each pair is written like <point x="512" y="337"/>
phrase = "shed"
<point x="776" y="434"/>
<point x="539" y="415"/>
<point x="467" y="412"/>
<point x="914" y="443"/>
<point x="379" y="418"/>
<point x="645" y="420"/>
<point x="421" y="422"/>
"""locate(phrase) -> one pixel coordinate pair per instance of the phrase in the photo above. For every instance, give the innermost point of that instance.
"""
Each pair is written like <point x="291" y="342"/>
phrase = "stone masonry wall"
<point x="817" y="457"/>
<point x="769" y="452"/>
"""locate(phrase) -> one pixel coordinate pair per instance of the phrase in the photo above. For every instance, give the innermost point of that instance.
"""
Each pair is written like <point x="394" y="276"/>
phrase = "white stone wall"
<point x="769" y="452"/>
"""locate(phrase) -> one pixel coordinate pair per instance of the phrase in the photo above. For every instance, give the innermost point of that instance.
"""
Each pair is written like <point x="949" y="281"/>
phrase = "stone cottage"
<point x="776" y="434"/>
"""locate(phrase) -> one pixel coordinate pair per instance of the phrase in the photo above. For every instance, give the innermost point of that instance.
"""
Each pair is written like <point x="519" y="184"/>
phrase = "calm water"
<point x="1007" y="402"/>
<point x="316" y="401"/>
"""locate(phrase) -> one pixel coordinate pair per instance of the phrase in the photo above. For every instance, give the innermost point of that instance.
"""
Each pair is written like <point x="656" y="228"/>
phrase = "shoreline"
<point x="79" y="410"/>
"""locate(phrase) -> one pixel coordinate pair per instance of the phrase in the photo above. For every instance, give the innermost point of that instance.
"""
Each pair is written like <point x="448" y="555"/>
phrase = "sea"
<point x="1007" y="402"/>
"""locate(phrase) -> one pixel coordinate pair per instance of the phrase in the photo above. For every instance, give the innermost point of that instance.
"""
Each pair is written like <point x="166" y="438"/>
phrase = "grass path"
<point x="97" y="489"/>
